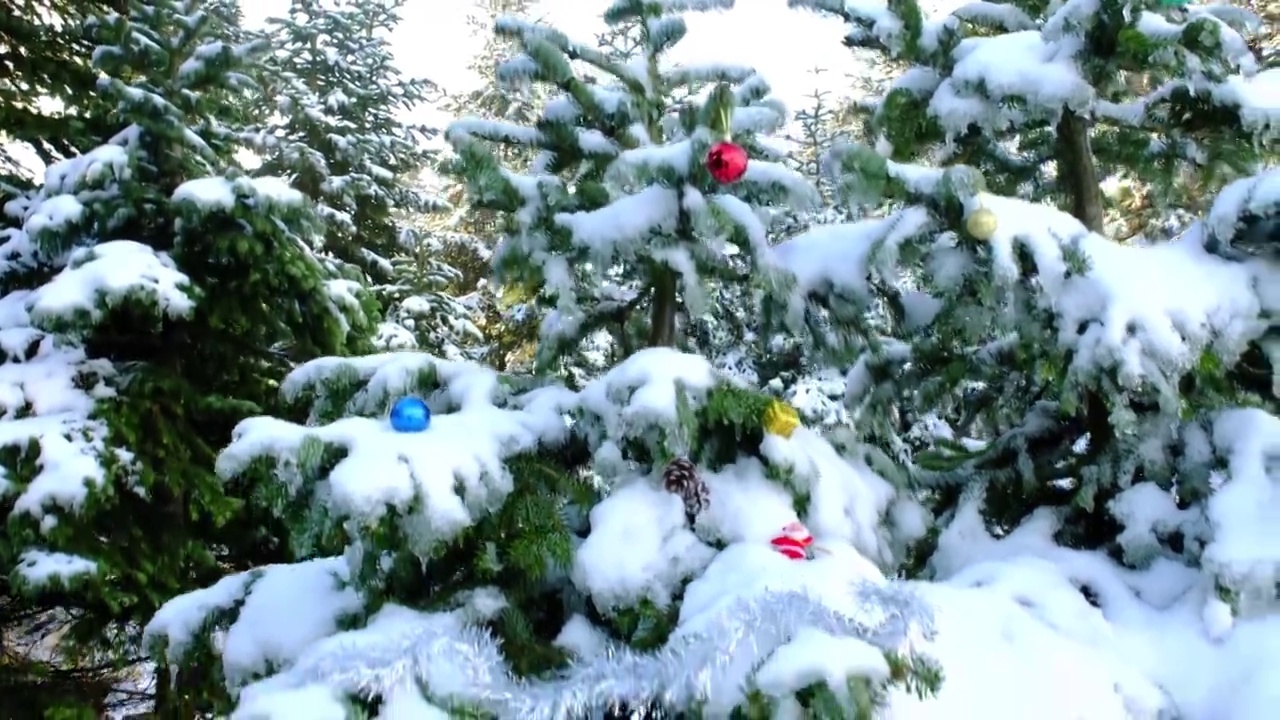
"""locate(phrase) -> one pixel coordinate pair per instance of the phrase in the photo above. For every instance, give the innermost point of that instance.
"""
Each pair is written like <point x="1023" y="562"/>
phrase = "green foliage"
<point x="1032" y="423"/>
<point x="859" y="698"/>
<point x="727" y="421"/>
<point x="612" y="285"/>
<point x="330" y="119"/>
<point x="1153" y="125"/>
<point x="53" y="69"/>
<point x="522" y="547"/>
<point x="169" y="384"/>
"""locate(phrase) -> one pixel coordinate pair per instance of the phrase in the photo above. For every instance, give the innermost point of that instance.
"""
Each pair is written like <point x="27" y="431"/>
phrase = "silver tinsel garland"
<point x="460" y="663"/>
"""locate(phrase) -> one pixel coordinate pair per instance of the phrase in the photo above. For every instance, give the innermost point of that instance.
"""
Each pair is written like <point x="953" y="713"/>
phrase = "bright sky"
<point x="435" y="42"/>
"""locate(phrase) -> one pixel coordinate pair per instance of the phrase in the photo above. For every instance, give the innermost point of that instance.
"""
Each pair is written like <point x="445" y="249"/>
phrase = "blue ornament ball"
<point x="410" y="415"/>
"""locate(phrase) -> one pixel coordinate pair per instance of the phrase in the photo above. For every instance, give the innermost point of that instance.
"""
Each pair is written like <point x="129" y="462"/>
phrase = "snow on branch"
<point x="212" y="194"/>
<point x="1149" y="326"/>
<point x="1245" y="216"/>
<point x="99" y="277"/>
<point x="283" y="609"/>
<point x="531" y="35"/>
<point x="685" y="75"/>
<point x="620" y="9"/>
<point x="1009" y="18"/>
<point x="48" y="388"/>
<point x="443" y="479"/>
<point x="500" y="131"/>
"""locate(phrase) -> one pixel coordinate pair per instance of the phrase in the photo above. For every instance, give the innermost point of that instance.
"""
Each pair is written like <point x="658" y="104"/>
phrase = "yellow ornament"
<point x="780" y="419"/>
<point x="981" y="224"/>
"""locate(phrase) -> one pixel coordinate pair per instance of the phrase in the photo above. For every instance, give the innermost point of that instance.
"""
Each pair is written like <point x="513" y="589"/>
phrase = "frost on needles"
<point x="494" y="518"/>
<point x="526" y="534"/>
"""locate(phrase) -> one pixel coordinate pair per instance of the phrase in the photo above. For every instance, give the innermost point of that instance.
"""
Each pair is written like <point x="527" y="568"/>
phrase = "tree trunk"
<point x="1078" y="173"/>
<point x="662" y="316"/>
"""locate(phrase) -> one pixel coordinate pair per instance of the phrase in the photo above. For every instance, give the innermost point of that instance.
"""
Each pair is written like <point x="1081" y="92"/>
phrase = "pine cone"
<point x="681" y="478"/>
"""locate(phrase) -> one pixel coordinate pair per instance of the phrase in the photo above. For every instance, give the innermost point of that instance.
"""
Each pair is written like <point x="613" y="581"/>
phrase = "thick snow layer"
<point x="282" y="610"/>
<point x="1244" y="513"/>
<point x="1184" y="301"/>
<point x="40" y="566"/>
<point x="1146" y="629"/>
<point x="455" y="468"/>
<point x="217" y="193"/>
<point x="1001" y="660"/>
<point x="100" y="276"/>
<point x="314" y="702"/>
<point x="642" y="392"/>
<point x="1257" y="195"/>
<point x="639" y="548"/>
<point x="1146" y="324"/>
<point x="818" y="657"/>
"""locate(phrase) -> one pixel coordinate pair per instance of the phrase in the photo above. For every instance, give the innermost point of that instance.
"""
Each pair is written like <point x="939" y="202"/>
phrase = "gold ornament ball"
<point x="781" y="419"/>
<point x="981" y="224"/>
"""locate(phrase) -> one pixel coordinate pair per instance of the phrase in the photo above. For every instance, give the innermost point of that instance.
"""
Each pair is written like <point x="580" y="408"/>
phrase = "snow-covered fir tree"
<point x="1081" y="433"/>
<point x="662" y="261"/>
<point x="658" y="537"/>
<point x="336" y="126"/>
<point x="422" y="312"/>
<point x="1061" y="100"/>
<point x="150" y="297"/>
<point x="1069" y="409"/>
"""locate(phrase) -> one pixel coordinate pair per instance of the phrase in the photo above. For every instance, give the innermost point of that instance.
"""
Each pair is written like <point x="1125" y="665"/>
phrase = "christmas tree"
<point x="1082" y="437"/>
<point x="1076" y="405"/>
<point x="655" y="537"/>
<point x="152" y="294"/>
<point x="1082" y="420"/>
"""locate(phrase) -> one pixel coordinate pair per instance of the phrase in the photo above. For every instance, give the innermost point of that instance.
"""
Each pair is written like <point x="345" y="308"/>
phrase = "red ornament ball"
<point x="727" y="162"/>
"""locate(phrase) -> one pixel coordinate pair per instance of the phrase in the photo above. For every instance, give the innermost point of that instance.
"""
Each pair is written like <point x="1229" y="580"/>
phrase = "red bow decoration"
<point x="795" y="542"/>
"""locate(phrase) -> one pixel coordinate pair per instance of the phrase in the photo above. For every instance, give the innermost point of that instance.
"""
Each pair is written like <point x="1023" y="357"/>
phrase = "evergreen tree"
<point x="46" y="81"/>
<point x="1049" y="100"/>
<point x="1018" y="366"/>
<point x="515" y="102"/>
<point x="44" y="64"/>
<point x="336" y="108"/>
<point x="469" y="234"/>
<point x="815" y="130"/>
<point x="154" y="296"/>
<point x="336" y="127"/>
<point x="650" y="262"/>
<point x="481" y="564"/>
<point x="422" y="312"/>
